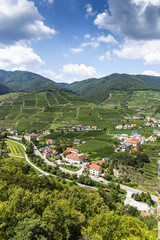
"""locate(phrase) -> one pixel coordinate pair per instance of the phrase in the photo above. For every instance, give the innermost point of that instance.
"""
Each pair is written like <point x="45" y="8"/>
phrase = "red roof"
<point x="96" y="167"/>
<point x="76" y="156"/>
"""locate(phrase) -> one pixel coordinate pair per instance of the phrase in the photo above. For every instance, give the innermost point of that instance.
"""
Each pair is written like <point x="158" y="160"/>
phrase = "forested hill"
<point x="16" y="81"/>
<point x="98" y="90"/>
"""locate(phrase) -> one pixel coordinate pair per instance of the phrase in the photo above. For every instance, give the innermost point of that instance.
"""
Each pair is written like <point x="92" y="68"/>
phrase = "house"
<point x="127" y="126"/>
<point x="8" y="130"/>
<point x="77" y="141"/>
<point x="135" y="134"/>
<point x="133" y="125"/>
<point x="47" y="132"/>
<point x="95" y="170"/>
<point x="119" y="127"/>
<point x="155" y="131"/>
<point x="124" y="147"/>
<point x="50" y="142"/>
<point x="100" y="162"/>
<point x="87" y="166"/>
<point x="30" y="137"/>
<point x="39" y="138"/>
<point x="137" y="118"/>
<point x="81" y="128"/>
<point x="76" y="158"/>
<point x="133" y="141"/>
<point x="94" y="127"/>
<point x="148" y="118"/>
<point x="72" y="150"/>
<point x="145" y="214"/>
<point x="43" y="149"/>
<point x="50" y="153"/>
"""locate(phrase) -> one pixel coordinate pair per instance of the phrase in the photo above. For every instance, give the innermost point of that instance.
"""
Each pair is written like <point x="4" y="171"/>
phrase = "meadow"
<point x="14" y="149"/>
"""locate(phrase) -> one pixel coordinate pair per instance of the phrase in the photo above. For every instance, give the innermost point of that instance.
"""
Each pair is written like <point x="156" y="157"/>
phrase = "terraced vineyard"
<point x="56" y="108"/>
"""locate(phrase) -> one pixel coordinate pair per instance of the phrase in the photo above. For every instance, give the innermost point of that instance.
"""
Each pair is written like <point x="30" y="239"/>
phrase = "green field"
<point x="15" y="148"/>
<point x="42" y="110"/>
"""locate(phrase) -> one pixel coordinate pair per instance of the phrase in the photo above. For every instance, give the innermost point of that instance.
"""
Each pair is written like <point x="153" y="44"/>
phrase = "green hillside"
<point x="55" y="108"/>
<point x="22" y="81"/>
<point x="98" y="90"/>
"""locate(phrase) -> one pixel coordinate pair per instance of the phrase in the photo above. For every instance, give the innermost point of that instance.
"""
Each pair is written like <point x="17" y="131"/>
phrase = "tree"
<point x="31" y="229"/>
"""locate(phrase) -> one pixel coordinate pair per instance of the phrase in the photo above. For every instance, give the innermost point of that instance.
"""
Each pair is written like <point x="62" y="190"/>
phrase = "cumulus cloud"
<point x="108" y="39"/>
<point x="151" y="73"/>
<point x="76" y="50"/>
<point x="19" y="57"/>
<point x="92" y="42"/>
<point x="81" y="71"/>
<point x="20" y="20"/>
<point x="136" y="19"/>
<point x="89" y="11"/>
<point x="48" y="73"/>
<point x="149" y="51"/>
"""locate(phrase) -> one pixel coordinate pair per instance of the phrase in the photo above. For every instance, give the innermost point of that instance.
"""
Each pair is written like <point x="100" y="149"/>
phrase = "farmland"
<point x="53" y="109"/>
<point x="14" y="149"/>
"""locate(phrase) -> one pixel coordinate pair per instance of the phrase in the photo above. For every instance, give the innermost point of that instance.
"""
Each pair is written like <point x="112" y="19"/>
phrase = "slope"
<point x="98" y="90"/>
<point x="18" y="81"/>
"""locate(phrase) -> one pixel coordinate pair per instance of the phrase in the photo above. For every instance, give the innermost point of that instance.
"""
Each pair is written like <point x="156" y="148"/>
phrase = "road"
<point x="130" y="191"/>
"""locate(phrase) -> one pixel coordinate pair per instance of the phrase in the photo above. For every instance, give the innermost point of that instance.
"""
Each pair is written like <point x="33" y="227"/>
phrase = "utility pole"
<point x="158" y="207"/>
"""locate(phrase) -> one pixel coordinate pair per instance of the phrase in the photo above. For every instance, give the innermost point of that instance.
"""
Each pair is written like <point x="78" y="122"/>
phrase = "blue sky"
<point x="72" y="40"/>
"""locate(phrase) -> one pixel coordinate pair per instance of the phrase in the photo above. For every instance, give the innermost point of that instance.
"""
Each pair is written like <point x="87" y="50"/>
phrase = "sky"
<point x="73" y="40"/>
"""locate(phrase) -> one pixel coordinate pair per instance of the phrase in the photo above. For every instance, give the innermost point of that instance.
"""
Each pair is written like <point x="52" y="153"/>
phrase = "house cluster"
<point x="95" y="168"/>
<point x="155" y="120"/>
<point x="74" y="156"/>
<point x="13" y="131"/>
<point x="128" y="142"/>
<point x="132" y="142"/>
<point x="134" y="118"/>
<point x="30" y="137"/>
<point x="47" y="151"/>
<point x="79" y="128"/>
<point x="126" y="126"/>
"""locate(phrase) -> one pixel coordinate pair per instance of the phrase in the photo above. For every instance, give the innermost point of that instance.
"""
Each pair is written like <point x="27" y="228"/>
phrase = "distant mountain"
<point x="98" y="90"/>
<point x="4" y="89"/>
<point x="25" y="81"/>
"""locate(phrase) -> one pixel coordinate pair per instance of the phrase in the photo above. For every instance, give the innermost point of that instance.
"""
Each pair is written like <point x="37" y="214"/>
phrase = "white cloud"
<point x="89" y="11"/>
<point x="137" y="19"/>
<point x="87" y="36"/>
<point x="107" y="56"/>
<point x="149" y="51"/>
<point x="93" y="43"/>
<point x="20" y="20"/>
<point x="151" y="73"/>
<point x="76" y="50"/>
<point x="80" y="71"/>
<point x="48" y="73"/>
<point x="19" y="57"/>
<point x="108" y="39"/>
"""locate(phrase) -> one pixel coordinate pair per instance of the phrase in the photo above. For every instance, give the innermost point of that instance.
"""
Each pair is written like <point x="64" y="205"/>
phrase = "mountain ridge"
<point x="98" y="89"/>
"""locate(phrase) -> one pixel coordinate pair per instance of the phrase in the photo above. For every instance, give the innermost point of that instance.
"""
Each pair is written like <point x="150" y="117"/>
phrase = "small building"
<point x="50" y="153"/>
<point x="30" y="137"/>
<point x="77" y="141"/>
<point x="133" y="125"/>
<point x="47" y="132"/>
<point x="119" y="127"/>
<point x="100" y="162"/>
<point x="39" y="138"/>
<point x="151" y="139"/>
<point x="127" y="126"/>
<point x="94" y="127"/>
<point x="95" y="170"/>
<point x="76" y="158"/>
<point x="71" y="150"/>
<point x="50" y="142"/>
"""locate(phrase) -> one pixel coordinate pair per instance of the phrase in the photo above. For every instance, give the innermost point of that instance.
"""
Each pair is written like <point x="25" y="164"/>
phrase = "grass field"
<point x="14" y="148"/>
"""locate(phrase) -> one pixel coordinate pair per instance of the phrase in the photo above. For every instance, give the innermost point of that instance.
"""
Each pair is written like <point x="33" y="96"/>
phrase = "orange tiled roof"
<point x="76" y="156"/>
<point x="96" y="167"/>
<point x="100" y="162"/>
<point x="71" y="149"/>
<point x="49" y="141"/>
